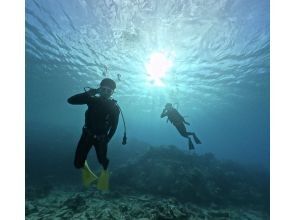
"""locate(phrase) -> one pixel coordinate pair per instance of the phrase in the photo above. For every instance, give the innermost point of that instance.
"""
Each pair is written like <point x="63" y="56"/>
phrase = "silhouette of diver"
<point x="101" y="120"/>
<point x="178" y="121"/>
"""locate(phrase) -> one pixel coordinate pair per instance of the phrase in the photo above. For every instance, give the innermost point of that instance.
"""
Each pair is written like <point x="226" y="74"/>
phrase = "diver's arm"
<point x="79" y="99"/>
<point x="114" y="123"/>
<point x="164" y="113"/>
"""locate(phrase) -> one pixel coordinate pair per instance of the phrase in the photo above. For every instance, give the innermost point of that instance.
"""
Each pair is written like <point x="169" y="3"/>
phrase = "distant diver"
<point x="178" y="121"/>
<point x="101" y="120"/>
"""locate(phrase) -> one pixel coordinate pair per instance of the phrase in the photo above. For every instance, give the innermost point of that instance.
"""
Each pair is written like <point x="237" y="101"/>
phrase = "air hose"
<point x="124" y="142"/>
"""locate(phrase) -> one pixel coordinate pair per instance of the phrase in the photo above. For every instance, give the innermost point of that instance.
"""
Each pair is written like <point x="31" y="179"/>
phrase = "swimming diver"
<point x="101" y="120"/>
<point x="178" y="121"/>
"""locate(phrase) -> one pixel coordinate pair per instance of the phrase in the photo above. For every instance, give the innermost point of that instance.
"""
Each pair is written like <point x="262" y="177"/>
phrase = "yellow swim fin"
<point x="103" y="180"/>
<point x="87" y="175"/>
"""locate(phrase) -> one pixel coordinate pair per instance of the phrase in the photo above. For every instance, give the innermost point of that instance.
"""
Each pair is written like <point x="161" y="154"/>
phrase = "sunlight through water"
<point x="157" y="67"/>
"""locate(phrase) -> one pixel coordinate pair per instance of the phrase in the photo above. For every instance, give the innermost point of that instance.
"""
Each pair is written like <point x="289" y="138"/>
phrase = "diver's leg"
<point x="196" y="139"/>
<point x="82" y="150"/>
<point x="191" y="146"/>
<point x="182" y="130"/>
<point x="101" y="152"/>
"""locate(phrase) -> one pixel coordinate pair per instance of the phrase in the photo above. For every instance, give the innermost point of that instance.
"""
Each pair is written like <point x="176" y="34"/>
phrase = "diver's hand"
<point x="163" y="113"/>
<point x="92" y="92"/>
<point x="164" y="110"/>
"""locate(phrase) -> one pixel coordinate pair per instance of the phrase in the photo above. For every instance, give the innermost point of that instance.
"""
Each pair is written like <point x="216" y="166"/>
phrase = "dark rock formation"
<point x="201" y="179"/>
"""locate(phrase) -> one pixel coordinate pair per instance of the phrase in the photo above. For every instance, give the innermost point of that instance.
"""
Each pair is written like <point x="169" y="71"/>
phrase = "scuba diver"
<point x="101" y="120"/>
<point x="178" y="121"/>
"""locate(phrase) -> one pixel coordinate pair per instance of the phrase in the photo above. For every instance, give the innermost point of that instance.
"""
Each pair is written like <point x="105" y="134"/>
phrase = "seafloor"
<point x="93" y="204"/>
<point x="158" y="183"/>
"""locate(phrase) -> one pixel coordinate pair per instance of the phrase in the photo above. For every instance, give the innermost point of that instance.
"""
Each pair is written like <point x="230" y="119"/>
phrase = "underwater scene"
<point x="147" y="109"/>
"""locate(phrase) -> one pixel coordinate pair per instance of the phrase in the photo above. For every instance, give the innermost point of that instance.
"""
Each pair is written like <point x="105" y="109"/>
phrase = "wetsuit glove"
<point x="92" y="92"/>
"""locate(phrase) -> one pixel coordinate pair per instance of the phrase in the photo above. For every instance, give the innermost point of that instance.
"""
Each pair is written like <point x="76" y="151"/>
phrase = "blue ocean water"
<point x="216" y="54"/>
<point x="218" y="79"/>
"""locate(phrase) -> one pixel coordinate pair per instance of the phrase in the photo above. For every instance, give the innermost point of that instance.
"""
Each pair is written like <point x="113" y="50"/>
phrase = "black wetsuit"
<point x="178" y="121"/>
<point x="101" y="120"/>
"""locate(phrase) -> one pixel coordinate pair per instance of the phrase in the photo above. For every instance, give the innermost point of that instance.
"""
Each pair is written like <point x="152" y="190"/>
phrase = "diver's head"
<point x="168" y="106"/>
<point x="107" y="87"/>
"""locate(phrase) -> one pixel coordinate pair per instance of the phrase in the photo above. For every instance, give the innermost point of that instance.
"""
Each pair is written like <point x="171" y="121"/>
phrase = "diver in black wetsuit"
<point x="178" y="121"/>
<point x="101" y="120"/>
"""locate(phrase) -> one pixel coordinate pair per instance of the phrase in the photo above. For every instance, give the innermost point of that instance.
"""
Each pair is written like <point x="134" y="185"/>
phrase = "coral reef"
<point x="203" y="179"/>
<point x="105" y="206"/>
<point x="38" y="190"/>
<point x="162" y="183"/>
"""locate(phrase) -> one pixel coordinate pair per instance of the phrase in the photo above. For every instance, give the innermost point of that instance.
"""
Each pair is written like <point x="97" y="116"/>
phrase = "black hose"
<point x="124" y="142"/>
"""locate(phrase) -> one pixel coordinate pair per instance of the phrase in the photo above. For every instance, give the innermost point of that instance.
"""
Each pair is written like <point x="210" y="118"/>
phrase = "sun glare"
<point x="157" y="67"/>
